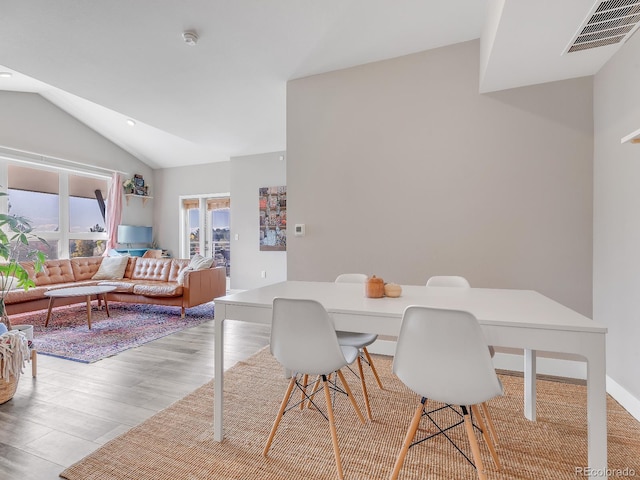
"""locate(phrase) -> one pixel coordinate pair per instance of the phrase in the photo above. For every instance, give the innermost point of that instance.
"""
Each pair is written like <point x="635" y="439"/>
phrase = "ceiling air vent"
<point x="609" y="22"/>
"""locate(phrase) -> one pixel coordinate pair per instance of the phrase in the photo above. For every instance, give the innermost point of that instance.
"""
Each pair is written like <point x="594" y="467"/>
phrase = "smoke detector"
<point x="609" y="22"/>
<point x="190" y="38"/>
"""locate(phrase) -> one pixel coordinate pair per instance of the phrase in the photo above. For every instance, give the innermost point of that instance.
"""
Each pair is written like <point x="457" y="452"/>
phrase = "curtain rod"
<point x="36" y="158"/>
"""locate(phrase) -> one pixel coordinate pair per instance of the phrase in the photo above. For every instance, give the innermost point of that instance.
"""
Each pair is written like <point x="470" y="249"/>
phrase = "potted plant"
<point x="15" y="234"/>
<point x="128" y="185"/>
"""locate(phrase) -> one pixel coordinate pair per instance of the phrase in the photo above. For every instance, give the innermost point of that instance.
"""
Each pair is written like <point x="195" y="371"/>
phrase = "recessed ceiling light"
<point x="6" y="74"/>
<point x="130" y="122"/>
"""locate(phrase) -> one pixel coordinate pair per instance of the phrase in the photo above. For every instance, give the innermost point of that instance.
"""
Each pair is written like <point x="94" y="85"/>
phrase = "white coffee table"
<point x="86" y="291"/>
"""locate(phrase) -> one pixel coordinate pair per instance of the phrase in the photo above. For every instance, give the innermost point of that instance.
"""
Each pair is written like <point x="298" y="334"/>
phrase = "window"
<point x="65" y="209"/>
<point x="86" y="216"/>
<point x="206" y="229"/>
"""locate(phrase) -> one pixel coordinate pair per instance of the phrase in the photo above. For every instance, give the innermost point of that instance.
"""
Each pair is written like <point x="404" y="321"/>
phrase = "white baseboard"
<point x="630" y="403"/>
<point x="383" y="347"/>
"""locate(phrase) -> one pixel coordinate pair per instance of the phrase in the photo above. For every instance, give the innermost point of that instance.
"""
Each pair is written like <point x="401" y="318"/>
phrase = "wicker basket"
<point x="7" y="388"/>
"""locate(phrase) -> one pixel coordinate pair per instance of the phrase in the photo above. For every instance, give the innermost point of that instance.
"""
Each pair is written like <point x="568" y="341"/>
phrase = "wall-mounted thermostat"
<point x="299" y="230"/>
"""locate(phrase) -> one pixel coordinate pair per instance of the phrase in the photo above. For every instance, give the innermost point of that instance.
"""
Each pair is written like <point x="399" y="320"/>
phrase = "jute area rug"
<point x="177" y="443"/>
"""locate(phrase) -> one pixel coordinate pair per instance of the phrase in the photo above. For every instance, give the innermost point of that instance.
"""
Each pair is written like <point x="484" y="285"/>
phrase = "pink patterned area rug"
<point x="129" y="326"/>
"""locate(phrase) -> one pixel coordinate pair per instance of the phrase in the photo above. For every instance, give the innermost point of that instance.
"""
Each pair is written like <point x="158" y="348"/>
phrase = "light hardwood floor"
<point x="71" y="408"/>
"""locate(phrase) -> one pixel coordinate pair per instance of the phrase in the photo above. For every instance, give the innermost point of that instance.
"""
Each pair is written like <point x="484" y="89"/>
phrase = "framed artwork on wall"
<point x="272" y="204"/>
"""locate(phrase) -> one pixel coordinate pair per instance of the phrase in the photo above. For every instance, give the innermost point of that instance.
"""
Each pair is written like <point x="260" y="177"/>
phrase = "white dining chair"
<point x="352" y="278"/>
<point x="361" y="341"/>
<point x="448" y="281"/>
<point x="304" y="341"/>
<point x="461" y="282"/>
<point x="443" y="357"/>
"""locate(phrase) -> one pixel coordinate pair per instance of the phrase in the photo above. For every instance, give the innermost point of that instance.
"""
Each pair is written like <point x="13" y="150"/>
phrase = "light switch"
<point x="299" y="230"/>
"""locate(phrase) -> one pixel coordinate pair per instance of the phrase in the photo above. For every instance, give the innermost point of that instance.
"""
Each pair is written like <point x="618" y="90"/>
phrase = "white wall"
<point x="401" y="169"/>
<point x="32" y="124"/>
<point x="616" y="281"/>
<point x="248" y="174"/>
<point x="171" y="183"/>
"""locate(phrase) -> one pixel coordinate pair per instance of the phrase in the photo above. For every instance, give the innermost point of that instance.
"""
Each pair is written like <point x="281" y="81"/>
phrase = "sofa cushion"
<point x="53" y="271"/>
<point x="131" y="265"/>
<point x="83" y="283"/>
<point x="152" y="269"/>
<point x="19" y="295"/>
<point x="111" y="268"/>
<point x="158" y="289"/>
<point x="84" y="268"/>
<point x="122" y="286"/>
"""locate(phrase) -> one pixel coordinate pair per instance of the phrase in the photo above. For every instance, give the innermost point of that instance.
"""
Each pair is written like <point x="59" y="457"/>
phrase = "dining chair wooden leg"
<point x="485" y="434"/>
<point x="373" y="367"/>
<point x="475" y="449"/>
<point x="411" y="433"/>
<point x="350" y="395"/>
<point x="492" y="428"/>
<point x="303" y="394"/>
<point x="34" y="362"/>
<point x="332" y="427"/>
<point x="283" y="406"/>
<point x="365" y="394"/>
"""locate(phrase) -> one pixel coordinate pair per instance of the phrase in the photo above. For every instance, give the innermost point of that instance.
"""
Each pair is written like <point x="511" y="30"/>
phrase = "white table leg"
<point x="597" y="411"/>
<point x="530" y="384"/>
<point x="218" y="380"/>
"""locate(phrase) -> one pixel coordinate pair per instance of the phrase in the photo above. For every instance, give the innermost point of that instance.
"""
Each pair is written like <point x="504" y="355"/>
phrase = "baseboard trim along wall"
<point x="630" y="403"/>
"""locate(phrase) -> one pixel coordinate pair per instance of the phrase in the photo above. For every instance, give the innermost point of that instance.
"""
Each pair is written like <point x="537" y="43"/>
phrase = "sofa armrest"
<point x="202" y="286"/>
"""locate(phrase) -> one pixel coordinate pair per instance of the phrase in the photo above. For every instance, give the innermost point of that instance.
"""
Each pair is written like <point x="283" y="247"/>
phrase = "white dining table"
<point x="522" y="319"/>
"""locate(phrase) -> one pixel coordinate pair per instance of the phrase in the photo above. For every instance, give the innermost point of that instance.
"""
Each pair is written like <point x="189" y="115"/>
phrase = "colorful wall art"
<point x="273" y="218"/>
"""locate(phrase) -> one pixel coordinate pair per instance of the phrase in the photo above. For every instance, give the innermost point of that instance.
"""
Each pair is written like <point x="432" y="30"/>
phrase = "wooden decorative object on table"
<point x="374" y="287"/>
<point x="392" y="290"/>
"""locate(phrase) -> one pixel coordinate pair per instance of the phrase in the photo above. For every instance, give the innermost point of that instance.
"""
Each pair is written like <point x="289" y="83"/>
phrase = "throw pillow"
<point x="8" y="283"/>
<point x="198" y="262"/>
<point x="111" y="268"/>
<point x="182" y="273"/>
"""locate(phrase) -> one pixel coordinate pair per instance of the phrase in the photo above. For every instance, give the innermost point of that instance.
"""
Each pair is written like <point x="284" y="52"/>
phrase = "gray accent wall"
<point x="248" y="174"/>
<point x="400" y="168"/>
<point x="616" y="272"/>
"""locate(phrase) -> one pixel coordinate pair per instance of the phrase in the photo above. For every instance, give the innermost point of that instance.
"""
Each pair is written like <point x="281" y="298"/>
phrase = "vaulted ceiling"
<point x="112" y="61"/>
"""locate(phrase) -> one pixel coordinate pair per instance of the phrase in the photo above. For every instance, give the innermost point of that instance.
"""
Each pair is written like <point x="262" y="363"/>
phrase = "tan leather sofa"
<point x="146" y="280"/>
